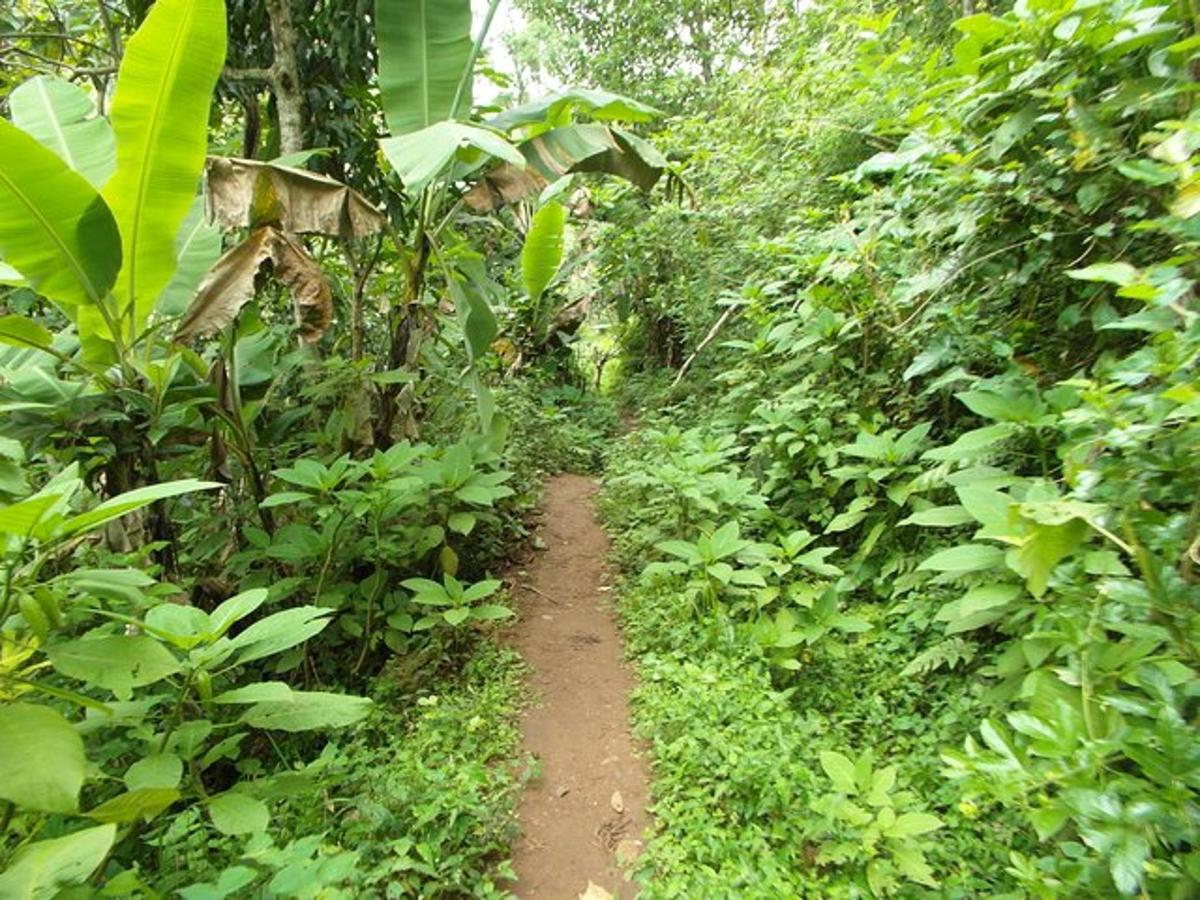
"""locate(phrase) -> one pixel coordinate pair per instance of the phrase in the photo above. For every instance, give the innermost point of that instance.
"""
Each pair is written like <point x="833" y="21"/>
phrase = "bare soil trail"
<point x="583" y="819"/>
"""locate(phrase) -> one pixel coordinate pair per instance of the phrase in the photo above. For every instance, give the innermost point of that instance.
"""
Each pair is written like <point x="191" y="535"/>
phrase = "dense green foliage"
<point x="924" y="612"/>
<point x="899" y="311"/>
<point x="252" y="502"/>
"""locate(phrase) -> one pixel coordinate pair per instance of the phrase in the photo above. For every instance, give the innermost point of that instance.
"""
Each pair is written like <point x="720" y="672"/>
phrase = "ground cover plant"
<point x="877" y="320"/>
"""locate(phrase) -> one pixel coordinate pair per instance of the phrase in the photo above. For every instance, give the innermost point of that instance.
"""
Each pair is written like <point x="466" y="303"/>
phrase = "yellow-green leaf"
<point x="160" y="117"/>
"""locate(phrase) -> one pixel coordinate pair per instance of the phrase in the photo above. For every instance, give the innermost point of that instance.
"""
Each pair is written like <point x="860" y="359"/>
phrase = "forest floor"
<point x="582" y="820"/>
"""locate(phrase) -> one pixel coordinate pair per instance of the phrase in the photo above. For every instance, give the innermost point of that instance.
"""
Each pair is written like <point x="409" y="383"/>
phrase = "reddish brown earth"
<point x="584" y="816"/>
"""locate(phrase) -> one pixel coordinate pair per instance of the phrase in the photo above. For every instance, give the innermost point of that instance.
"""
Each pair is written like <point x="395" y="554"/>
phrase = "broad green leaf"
<point x="160" y="118"/>
<point x="117" y="663"/>
<point x="939" y="517"/>
<point x="962" y="559"/>
<point x="285" y="498"/>
<point x="1110" y="272"/>
<point x="160" y="770"/>
<point x="259" y="692"/>
<point x="279" y="631"/>
<point x="912" y="824"/>
<point x="41" y="869"/>
<point x="996" y="739"/>
<point x="978" y="607"/>
<point x="911" y="862"/>
<point x="475" y="317"/>
<point x="197" y="249"/>
<point x="41" y="759"/>
<point x="307" y="710"/>
<point x="1015" y="128"/>
<point x="542" y="254"/>
<point x="983" y="26"/>
<point x="122" y="504"/>
<point x="985" y="505"/>
<point x="626" y="156"/>
<point x="19" y="331"/>
<point x="23" y="517"/>
<point x="424" y="587"/>
<point x="491" y="611"/>
<point x="235" y="812"/>
<point x="420" y="156"/>
<point x="235" y="609"/>
<point x="973" y="444"/>
<point x="63" y="118"/>
<point x="685" y="550"/>
<point x="424" y="49"/>
<point x="840" y="771"/>
<point x="1003" y="406"/>
<point x="54" y="228"/>
<point x="1045" y="548"/>
<point x="481" y="495"/>
<point x="556" y="110"/>
<point x="1127" y="862"/>
<point x="142" y="803"/>
<point x="461" y="522"/>
<point x="121" y="585"/>
<point x="456" y="615"/>
<point x="481" y="589"/>
<point x="1049" y="820"/>
<point x="574" y="148"/>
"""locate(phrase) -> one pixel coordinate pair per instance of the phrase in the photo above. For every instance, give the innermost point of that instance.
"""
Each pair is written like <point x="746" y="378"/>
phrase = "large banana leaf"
<point x="630" y="157"/>
<point x="555" y="111"/>
<point x="229" y="286"/>
<point x="160" y="116"/>
<point x="542" y="254"/>
<point x="61" y="116"/>
<point x="246" y="193"/>
<point x="422" y="155"/>
<point x="197" y="248"/>
<point x="424" y="48"/>
<point x="54" y="228"/>
<point x="561" y="151"/>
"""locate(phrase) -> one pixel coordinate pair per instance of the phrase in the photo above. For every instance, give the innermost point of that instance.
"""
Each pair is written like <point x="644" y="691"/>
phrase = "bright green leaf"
<point x="41" y="759"/>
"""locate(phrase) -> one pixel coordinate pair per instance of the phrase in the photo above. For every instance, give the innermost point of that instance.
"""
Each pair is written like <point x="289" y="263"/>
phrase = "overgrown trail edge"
<point x="586" y="813"/>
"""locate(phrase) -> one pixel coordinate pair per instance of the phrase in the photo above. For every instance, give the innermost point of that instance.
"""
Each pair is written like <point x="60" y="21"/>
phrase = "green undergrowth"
<point x="430" y="785"/>
<point x="739" y="782"/>
<point x="418" y="802"/>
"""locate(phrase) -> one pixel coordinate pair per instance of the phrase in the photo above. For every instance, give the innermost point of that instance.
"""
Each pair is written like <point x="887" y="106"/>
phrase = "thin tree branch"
<point x="708" y="339"/>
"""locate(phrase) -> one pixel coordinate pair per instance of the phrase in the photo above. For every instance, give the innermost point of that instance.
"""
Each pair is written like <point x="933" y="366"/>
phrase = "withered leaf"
<point x="229" y="286"/>
<point x="246" y="193"/>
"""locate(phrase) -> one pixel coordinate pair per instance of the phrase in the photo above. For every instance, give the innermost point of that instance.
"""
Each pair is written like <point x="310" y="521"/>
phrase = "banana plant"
<point x="426" y="65"/>
<point x="103" y="248"/>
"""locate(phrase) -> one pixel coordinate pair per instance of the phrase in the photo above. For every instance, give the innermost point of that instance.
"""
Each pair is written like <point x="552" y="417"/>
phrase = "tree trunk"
<point x="285" y="77"/>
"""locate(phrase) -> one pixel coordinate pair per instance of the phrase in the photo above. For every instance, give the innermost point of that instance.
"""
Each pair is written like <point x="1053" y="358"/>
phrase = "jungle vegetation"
<point x="878" y="321"/>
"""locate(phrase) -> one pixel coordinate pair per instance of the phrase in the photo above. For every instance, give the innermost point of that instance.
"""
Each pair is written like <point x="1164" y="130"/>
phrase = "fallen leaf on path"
<point x="595" y="892"/>
<point x="618" y="803"/>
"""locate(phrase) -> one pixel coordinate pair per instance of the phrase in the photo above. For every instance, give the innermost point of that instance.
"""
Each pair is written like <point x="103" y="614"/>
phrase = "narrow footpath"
<point x="583" y="819"/>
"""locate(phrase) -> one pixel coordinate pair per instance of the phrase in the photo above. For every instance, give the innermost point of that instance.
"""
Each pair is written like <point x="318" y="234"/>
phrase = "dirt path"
<point x="587" y="810"/>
